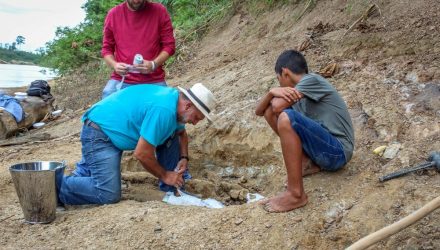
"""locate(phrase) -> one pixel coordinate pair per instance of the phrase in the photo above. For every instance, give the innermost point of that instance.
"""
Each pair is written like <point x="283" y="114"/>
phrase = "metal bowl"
<point x="37" y="166"/>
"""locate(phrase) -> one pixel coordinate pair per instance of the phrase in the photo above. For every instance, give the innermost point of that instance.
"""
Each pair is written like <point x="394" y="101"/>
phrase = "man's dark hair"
<point x="293" y="60"/>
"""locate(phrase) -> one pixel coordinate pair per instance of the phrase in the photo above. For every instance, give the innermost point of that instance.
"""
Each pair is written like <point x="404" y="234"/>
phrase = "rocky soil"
<point x="389" y="74"/>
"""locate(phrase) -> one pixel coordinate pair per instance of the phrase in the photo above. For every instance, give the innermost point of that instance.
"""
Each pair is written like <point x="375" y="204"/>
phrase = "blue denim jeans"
<point x="114" y="85"/>
<point x="97" y="178"/>
<point x="321" y="147"/>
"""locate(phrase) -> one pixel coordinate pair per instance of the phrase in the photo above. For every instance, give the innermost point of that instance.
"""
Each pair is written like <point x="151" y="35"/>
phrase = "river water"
<point x="12" y="75"/>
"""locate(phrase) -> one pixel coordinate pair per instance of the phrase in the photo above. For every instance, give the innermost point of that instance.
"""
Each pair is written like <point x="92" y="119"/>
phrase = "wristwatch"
<point x="153" y="66"/>
<point x="184" y="157"/>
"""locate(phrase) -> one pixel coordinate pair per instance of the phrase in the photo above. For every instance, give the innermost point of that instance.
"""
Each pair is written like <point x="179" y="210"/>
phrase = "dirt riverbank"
<point x="390" y="78"/>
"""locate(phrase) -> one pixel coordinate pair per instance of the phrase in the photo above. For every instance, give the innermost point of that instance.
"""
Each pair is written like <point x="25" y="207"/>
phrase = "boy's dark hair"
<point x="293" y="60"/>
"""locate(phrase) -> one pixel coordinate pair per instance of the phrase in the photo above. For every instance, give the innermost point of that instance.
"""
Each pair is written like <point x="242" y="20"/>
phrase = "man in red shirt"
<point x="141" y="27"/>
<point x="137" y="27"/>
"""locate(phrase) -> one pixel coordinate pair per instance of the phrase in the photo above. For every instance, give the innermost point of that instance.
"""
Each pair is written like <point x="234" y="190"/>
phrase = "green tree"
<point x="72" y="47"/>
<point x="9" y="55"/>
<point x="40" y="51"/>
<point x="20" y="40"/>
<point x="13" y="46"/>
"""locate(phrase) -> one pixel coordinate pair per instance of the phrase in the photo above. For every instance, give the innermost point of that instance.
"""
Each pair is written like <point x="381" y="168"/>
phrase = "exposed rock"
<point x="243" y="179"/>
<point x="157" y="228"/>
<point x="238" y="221"/>
<point x="234" y="194"/>
<point x="392" y="150"/>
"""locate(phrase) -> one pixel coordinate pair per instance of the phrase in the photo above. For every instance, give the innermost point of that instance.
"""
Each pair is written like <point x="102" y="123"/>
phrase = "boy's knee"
<point x="268" y="113"/>
<point x="283" y="122"/>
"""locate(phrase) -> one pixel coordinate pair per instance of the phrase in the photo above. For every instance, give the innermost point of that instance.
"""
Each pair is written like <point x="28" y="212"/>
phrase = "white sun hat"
<point x="201" y="97"/>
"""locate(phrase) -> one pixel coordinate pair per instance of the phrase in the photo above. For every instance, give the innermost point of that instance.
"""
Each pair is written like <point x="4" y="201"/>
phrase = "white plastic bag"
<point x="186" y="199"/>
<point x="253" y="197"/>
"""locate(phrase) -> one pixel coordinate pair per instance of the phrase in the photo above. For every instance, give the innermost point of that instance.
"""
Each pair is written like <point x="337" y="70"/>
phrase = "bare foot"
<point x="310" y="168"/>
<point x="285" y="202"/>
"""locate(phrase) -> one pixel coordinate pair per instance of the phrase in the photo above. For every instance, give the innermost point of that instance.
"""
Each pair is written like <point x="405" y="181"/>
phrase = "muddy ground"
<point x="390" y="77"/>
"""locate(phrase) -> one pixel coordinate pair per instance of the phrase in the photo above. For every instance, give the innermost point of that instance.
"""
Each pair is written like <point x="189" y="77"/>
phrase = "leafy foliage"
<point x="20" y="40"/>
<point x="73" y="47"/>
<point x="8" y="55"/>
<point x="257" y="7"/>
<point x="190" y="16"/>
<point x="191" y="19"/>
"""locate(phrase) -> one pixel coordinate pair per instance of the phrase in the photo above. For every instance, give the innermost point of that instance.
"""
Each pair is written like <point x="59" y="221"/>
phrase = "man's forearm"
<point x="144" y="152"/>
<point x="110" y="61"/>
<point x="161" y="58"/>
<point x="263" y="104"/>
<point x="184" y="140"/>
<point x="152" y="166"/>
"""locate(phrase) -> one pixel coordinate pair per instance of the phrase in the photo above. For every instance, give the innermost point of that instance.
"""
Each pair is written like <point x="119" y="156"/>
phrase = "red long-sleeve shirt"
<point x="147" y="32"/>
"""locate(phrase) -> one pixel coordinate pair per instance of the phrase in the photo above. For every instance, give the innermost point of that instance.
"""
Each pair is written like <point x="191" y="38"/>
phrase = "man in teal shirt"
<point x="143" y="123"/>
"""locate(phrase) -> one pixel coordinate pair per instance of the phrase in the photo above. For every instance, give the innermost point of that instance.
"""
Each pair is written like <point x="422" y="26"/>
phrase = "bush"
<point x="73" y="47"/>
<point x="8" y="55"/>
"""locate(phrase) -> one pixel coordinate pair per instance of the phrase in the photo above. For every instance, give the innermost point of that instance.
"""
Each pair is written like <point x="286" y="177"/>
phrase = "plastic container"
<point x="57" y="112"/>
<point x="138" y="59"/>
<point x="20" y="98"/>
<point x="38" y="124"/>
<point x="20" y="94"/>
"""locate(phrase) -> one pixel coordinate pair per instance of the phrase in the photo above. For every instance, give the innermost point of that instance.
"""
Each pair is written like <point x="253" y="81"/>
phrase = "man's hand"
<point x="121" y="68"/>
<point x="145" y="68"/>
<point x="145" y="153"/>
<point x="174" y="178"/>
<point x="287" y="93"/>
<point x="182" y="165"/>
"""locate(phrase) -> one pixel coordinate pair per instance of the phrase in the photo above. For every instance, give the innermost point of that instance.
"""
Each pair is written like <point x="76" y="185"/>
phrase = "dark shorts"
<point x="321" y="147"/>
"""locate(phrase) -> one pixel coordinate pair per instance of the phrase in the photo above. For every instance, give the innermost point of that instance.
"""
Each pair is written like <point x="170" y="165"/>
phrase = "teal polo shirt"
<point x="145" y="110"/>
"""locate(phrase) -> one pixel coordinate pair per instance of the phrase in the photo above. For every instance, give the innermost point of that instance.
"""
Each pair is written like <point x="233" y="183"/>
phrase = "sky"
<point x="37" y="20"/>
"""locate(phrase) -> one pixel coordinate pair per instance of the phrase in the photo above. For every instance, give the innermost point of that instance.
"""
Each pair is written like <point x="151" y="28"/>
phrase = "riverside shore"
<point x="13" y="75"/>
<point x="11" y="91"/>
